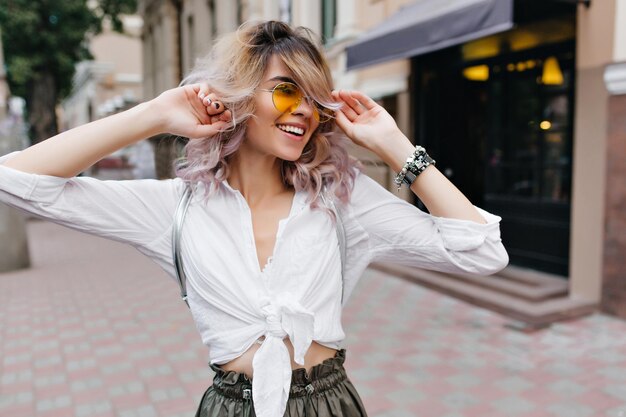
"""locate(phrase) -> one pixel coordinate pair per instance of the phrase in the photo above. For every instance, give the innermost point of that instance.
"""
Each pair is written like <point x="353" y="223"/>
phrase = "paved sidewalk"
<point x="96" y="329"/>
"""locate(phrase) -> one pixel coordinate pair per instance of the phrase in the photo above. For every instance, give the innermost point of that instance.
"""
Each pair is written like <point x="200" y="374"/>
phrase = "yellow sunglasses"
<point x="287" y="97"/>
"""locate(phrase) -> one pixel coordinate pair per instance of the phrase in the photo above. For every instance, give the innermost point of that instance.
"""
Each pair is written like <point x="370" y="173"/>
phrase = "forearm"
<point x="439" y="195"/>
<point x="73" y="151"/>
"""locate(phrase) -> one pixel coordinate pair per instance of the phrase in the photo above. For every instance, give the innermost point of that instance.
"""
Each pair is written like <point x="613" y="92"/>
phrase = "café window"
<point x="531" y="139"/>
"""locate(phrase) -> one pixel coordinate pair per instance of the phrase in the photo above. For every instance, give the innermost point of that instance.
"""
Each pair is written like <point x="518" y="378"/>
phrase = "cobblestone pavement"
<point x="96" y="329"/>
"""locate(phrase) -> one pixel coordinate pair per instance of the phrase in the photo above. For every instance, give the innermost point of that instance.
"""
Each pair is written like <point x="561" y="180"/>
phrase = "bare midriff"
<point x="314" y="356"/>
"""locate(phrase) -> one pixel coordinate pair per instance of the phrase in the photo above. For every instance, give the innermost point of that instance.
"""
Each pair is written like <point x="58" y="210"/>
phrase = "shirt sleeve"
<point x="137" y="212"/>
<point x="399" y="232"/>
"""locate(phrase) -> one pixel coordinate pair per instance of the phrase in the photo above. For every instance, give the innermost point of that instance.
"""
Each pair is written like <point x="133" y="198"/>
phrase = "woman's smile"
<point x="294" y="131"/>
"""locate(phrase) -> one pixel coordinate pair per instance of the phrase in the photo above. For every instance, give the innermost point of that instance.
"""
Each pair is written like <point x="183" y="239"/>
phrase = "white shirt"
<point x="233" y="301"/>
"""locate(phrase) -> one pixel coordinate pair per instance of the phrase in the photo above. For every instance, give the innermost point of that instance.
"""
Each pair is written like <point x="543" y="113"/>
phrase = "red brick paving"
<point x="96" y="329"/>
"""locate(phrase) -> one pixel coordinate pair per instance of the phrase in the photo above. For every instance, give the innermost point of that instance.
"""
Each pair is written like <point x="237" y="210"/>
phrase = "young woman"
<point x="266" y="161"/>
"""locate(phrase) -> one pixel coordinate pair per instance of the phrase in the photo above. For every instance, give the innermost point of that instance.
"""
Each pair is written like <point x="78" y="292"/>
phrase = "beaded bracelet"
<point x="415" y="165"/>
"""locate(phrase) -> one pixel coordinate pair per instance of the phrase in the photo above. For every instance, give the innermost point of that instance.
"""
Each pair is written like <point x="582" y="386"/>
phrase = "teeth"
<point x="291" y="129"/>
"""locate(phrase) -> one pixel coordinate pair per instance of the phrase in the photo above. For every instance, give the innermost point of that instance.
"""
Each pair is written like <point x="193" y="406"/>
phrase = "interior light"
<point x="481" y="48"/>
<point x="524" y="39"/>
<point x="552" y="74"/>
<point x="545" y="125"/>
<point x="554" y="138"/>
<point x="477" y="73"/>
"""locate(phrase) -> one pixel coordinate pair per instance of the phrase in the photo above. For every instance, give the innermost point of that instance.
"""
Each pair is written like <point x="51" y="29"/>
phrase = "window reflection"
<point x="531" y="131"/>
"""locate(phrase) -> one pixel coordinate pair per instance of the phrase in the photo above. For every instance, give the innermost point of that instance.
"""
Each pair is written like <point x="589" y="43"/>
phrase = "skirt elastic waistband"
<point x="323" y="376"/>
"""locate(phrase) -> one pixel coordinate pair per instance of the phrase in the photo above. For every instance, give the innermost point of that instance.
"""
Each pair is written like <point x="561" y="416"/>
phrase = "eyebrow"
<point x="282" y="78"/>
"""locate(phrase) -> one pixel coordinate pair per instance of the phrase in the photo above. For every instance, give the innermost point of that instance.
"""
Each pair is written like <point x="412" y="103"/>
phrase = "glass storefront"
<point x="497" y="114"/>
<point x="530" y="149"/>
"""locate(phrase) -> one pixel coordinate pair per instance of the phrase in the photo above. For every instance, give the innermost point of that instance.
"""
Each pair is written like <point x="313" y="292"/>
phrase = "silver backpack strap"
<point x="341" y="236"/>
<point x="179" y="218"/>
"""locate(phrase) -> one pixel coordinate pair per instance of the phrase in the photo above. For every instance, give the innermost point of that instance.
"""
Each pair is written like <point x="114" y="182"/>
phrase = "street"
<point x="96" y="329"/>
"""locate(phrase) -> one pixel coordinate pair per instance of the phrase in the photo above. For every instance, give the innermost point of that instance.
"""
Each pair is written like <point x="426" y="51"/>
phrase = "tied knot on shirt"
<point x="273" y="321"/>
<point x="284" y="317"/>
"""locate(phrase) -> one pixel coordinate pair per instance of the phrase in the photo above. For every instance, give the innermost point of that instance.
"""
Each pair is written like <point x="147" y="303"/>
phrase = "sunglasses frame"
<point x="318" y="109"/>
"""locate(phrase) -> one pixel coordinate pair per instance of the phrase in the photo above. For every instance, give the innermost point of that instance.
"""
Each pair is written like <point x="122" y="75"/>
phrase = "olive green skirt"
<point x="325" y="392"/>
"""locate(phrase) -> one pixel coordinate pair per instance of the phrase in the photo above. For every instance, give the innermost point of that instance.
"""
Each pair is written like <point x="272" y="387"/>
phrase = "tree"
<point x="43" y="40"/>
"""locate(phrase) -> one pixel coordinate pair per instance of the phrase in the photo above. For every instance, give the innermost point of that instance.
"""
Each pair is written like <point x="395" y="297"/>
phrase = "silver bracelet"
<point x="414" y="165"/>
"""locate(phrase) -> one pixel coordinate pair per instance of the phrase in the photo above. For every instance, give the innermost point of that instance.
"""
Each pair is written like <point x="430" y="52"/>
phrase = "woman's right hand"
<point x="191" y="111"/>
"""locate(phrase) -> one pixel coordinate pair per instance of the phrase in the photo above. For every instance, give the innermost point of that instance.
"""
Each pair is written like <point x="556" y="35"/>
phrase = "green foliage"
<point x="113" y="9"/>
<point x="50" y="36"/>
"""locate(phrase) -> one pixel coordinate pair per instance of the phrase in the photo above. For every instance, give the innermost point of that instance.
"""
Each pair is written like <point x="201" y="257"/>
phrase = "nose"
<point x="305" y="107"/>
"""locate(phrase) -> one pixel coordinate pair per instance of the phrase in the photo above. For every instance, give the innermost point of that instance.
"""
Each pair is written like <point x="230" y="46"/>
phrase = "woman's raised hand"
<point x="192" y="111"/>
<point x="363" y="120"/>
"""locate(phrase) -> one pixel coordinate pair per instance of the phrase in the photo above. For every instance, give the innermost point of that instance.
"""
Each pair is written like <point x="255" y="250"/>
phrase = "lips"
<point x="292" y="130"/>
<point x="297" y="128"/>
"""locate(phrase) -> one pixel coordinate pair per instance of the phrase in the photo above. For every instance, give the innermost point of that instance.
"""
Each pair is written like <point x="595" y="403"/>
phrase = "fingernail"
<point x="201" y="95"/>
<point x="208" y="101"/>
<point x="217" y="106"/>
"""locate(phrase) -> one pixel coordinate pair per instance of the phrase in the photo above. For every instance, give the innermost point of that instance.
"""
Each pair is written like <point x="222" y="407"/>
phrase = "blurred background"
<point x="521" y="102"/>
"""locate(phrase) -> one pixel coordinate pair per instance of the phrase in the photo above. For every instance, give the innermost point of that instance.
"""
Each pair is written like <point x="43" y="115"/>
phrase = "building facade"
<point x="112" y="81"/>
<point x="524" y="116"/>
<point x="109" y="83"/>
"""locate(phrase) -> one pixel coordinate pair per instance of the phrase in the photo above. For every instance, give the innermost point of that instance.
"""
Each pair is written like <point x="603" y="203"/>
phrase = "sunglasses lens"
<point x="286" y="97"/>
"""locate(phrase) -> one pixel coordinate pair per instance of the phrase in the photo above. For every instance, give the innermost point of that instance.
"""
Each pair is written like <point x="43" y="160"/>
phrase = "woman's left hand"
<point x="363" y="120"/>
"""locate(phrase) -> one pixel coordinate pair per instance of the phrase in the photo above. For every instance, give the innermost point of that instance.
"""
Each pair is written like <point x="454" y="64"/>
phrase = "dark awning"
<point x="429" y="25"/>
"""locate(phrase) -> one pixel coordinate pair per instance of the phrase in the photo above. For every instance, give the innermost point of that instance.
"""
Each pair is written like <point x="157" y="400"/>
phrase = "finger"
<point x="197" y="90"/>
<point x="348" y="112"/>
<point x="207" y="131"/>
<point x="199" y="110"/>
<point x="345" y="108"/>
<point x="352" y="102"/>
<point x="214" y="105"/>
<point x="366" y="101"/>
<point x="207" y="102"/>
<point x="343" y="122"/>
<point x="208" y="99"/>
<point x="222" y="117"/>
<point x="203" y="90"/>
<point x="226" y="116"/>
